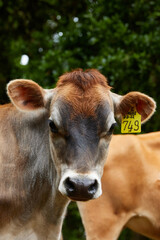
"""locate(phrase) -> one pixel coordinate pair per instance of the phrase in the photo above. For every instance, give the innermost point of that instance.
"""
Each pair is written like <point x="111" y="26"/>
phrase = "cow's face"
<point x="81" y="125"/>
<point x="81" y="122"/>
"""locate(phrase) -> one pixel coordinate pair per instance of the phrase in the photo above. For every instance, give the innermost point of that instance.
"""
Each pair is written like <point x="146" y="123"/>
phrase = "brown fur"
<point x="14" y="162"/>
<point x="30" y="92"/>
<point x="84" y="90"/>
<point x="27" y="177"/>
<point x="140" y="101"/>
<point x="131" y="190"/>
<point x="83" y="79"/>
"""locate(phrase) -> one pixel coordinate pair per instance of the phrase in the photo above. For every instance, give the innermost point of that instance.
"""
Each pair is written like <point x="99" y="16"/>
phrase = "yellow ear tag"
<point x="131" y="123"/>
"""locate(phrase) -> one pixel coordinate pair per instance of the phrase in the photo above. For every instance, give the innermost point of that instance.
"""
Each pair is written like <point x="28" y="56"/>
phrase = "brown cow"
<point x="42" y="168"/>
<point x="131" y="190"/>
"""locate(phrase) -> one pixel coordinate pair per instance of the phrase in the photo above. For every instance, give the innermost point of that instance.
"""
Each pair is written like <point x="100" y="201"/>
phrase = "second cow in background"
<point x="131" y="190"/>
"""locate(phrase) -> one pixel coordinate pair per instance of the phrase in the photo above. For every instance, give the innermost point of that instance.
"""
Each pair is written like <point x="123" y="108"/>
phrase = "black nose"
<point x="80" y="189"/>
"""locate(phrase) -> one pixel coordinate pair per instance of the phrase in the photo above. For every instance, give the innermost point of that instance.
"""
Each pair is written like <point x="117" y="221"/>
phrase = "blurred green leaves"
<point x="72" y="227"/>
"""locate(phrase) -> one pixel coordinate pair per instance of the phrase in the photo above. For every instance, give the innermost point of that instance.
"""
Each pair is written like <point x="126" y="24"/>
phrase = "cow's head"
<point x="82" y="112"/>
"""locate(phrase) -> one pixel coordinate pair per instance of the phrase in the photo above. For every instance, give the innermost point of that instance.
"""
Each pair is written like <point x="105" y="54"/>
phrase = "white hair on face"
<point x="110" y="120"/>
<point x="92" y="175"/>
<point x="55" y="114"/>
<point x="49" y="93"/>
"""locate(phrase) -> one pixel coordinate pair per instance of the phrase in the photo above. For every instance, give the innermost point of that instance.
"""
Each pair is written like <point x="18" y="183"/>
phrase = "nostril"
<point x="93" y="187"/>
<point x="80" y="188"/>
<point x="69" y="184"/>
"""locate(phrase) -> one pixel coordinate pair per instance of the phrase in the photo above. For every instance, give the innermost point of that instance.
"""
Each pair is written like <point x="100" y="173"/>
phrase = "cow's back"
<point x="135" y="158"/>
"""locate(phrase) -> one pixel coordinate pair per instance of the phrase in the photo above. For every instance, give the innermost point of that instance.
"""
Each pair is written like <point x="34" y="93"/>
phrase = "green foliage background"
<point x="121" y="38"/>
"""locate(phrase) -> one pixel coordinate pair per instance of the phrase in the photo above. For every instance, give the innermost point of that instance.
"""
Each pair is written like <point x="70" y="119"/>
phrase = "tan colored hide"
<point x="131" y="190"/>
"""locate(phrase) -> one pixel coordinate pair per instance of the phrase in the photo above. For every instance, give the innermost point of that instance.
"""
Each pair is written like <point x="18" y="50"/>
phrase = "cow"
<point x="131" y="190"/>
<point x="53" y="145"/>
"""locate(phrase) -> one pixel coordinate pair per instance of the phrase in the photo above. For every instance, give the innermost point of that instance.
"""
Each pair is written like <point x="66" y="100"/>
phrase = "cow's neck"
<point x="32" y="181"/>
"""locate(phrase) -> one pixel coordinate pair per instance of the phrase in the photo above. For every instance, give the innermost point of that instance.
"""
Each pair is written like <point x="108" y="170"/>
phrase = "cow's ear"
<point x="26" y="95"/>
<point x="144" y="104"/>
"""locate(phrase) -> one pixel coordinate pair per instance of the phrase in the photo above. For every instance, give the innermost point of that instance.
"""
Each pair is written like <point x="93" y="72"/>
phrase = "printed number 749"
<point x="129" y="125"/>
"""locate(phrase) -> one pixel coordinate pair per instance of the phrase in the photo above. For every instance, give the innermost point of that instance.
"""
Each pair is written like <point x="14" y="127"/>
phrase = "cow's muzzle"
<point x="80" y="187"/>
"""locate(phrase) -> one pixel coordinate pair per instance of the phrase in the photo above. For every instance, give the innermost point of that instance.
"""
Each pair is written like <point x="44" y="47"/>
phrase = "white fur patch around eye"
<point x="55" y="115"/>
<point x="110" y="120"/>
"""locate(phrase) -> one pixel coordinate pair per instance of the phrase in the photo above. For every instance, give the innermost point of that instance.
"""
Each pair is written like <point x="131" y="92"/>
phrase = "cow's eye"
<point x="52" y="126"/>
<point x="112" y="128"/>
<point x="109" y="132"/>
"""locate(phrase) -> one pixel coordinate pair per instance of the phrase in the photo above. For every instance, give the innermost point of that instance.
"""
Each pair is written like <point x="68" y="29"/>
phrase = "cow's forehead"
<point x="74" y="107"/>
<point x="81" y="94"/>
<point x="84" y="90"/>
<point x="83" y="79"/>
<point x="83" y="103"/>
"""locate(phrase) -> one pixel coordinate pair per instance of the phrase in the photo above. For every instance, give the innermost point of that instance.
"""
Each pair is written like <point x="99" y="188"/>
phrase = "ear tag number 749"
<point x="131" y="123"/>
